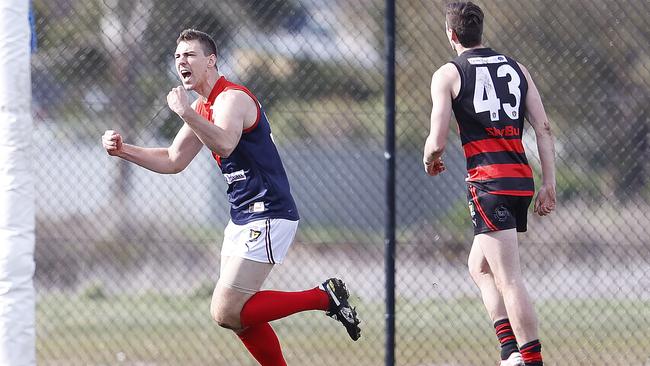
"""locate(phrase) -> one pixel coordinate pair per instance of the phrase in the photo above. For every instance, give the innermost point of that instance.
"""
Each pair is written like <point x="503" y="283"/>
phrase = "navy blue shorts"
<point x="495" y="212"/>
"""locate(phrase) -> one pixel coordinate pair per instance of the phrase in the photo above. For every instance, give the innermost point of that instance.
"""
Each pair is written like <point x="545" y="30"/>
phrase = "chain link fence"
<point x="127" y="259"/>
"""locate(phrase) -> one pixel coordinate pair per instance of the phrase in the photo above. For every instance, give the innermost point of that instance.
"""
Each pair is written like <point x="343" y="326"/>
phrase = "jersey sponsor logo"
<point x="234" y="176"/>
<point x="256" y="207"/>
<point x="501" y="132"/>
<point x="498" y="59"/>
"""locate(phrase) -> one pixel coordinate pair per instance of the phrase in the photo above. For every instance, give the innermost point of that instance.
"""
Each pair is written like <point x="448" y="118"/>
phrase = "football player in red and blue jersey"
<point x="229" y="120"/>
<point x="490" y="95"/>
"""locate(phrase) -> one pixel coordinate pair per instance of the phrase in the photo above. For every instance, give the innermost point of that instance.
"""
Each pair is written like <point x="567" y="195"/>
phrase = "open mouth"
<point x="186" y="74"/>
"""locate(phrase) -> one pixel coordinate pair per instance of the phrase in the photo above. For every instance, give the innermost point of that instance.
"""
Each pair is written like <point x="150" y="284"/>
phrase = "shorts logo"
<point x="254" y="234"/>
<point x="501" y="213"/>
<point x="472" y="212"/>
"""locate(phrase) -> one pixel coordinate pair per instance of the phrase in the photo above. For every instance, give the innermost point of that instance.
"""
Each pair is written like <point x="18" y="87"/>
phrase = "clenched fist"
<point x="178" y="101"/>
<point x="435" y="167"/>
<point x="112" y="142"/>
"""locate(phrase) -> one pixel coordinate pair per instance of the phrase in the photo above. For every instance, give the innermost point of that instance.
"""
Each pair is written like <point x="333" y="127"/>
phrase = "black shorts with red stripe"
<point x="494" y="212"/>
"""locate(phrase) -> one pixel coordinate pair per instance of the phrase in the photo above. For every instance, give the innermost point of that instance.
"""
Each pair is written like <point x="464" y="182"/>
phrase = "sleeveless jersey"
<point x="258" y="187"/>
<point x="490" y="110"/>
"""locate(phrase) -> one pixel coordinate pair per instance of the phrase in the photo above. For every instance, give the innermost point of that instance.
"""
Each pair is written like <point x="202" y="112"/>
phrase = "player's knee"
<point x="474" y="272"/>
<point x="225" y="318"/>
<point x="478" y="271"/>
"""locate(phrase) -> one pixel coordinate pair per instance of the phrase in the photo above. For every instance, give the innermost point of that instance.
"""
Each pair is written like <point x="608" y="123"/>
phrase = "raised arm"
<point x="536" y="116"/>
<point x="442" y="90"/>
<point x="233" y="111"/>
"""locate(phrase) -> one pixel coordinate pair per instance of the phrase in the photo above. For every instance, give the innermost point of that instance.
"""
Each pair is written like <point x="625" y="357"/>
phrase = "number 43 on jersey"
<point x="486" y="98"/>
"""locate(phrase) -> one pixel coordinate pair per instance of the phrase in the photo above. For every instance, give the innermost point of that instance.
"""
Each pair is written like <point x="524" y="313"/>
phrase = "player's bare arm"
<point x="169" y="160"/>
<point x="233" y="111"/>
<point x="444" y="84"/>
<point x="536" y="116"/>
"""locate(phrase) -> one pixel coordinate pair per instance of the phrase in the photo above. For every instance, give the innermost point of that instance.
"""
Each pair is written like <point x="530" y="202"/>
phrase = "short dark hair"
<point x="466" y="20"/>
<point x="207" y="43"/>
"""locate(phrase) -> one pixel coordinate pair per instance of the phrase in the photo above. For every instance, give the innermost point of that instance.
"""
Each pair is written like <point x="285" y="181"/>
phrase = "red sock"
<point x="263" y="344"/>
<point x="266" y="306"/>
<point x="531" y="352"/>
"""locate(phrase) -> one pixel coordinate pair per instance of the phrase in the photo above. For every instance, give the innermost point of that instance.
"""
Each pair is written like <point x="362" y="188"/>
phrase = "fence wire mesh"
<point x="127" y="259"/>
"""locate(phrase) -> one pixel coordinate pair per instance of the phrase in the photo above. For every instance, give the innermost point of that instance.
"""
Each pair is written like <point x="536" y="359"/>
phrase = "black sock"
<point x="531" y="352"/>
<point x="506" y="338"/>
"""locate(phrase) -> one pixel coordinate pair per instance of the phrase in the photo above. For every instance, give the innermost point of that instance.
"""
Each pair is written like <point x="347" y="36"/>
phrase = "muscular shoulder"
<point x="524" y="70"/>
<point x="239" y="103"/>
<point x="446" y="78"/>
<point x="447" y="73"/>
<point x="235" y="98"/>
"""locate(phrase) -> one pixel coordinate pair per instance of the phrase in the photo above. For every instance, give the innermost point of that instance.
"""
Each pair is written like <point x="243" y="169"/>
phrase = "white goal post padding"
<point x="17" y="298"/>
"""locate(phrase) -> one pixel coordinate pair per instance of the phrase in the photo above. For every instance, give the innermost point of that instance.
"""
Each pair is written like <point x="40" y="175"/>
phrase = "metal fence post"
<point x="390" y="180"/>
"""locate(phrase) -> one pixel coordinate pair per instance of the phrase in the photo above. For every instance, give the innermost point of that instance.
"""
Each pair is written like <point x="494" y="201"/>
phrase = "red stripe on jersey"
<point x="487" y="172"/>
<point x="487" y="221"/>
<point x="514" y="193"/>
<point x="257" y="121"/>
<point x="217" y="158"/>
<point x="492" y="145"/>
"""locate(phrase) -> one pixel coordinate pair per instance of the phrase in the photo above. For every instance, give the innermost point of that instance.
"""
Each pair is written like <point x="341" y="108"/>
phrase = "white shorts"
<point x="265" y="241"/>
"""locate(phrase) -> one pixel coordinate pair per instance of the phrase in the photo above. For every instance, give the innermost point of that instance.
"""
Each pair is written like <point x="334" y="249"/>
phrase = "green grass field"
<point x="152" y="329"/>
